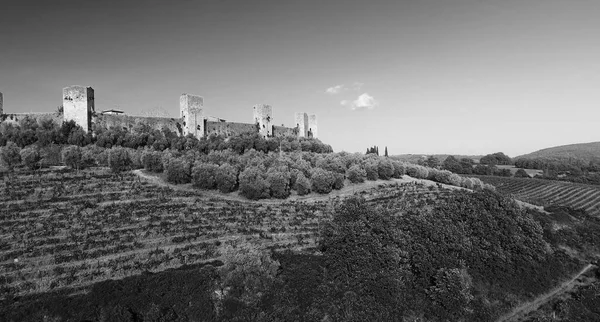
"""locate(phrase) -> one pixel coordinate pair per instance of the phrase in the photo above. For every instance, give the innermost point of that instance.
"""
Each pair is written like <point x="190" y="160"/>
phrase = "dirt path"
<point x="521" y="311"/>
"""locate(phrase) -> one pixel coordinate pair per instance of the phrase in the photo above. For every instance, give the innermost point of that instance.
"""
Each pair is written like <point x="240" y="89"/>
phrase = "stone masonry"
<point x="301" y="121"/>
<point x="312" y="126"/>
<point x="78" y="105"/>
<point x="263" y="116"/>
<point x="192" y="114"/>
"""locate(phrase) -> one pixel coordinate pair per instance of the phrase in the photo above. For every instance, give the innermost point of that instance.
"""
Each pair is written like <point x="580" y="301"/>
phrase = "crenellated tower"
<point x="78" y="105"/>
<point x="263" y="116"/>
<point x="192" y="114"/>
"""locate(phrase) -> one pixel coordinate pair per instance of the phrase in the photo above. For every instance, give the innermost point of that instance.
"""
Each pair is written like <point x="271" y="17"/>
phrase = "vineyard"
<point x="66" y="230"/>
<point x="546" y="192"/>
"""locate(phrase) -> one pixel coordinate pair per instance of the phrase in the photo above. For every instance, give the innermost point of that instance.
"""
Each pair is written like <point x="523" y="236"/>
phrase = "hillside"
<point x="583" y="151"/>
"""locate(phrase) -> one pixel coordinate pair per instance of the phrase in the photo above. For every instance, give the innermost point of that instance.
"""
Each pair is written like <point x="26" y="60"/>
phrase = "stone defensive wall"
<point x="79" y="106"/>
<point x="15" y="118"/>
<point x="128" y="122"/>
<point x="228" y="128"/>
<point x="284" y="131"/>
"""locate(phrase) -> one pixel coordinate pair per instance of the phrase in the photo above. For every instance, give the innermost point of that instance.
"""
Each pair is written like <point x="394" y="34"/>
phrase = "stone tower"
<point x="312" y="126"/>
<point x="192" y="114"/>
<point x="263" y="116"/>
<point x="1" y="104"/>
<point x="78" y="105"/>
<point x="301" y="121"/>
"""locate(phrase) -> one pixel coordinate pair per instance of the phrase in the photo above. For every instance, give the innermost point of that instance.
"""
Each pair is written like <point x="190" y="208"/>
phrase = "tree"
<point x="364" y="262"/>
<point x="372" y="169"/>
<point x="178" y="171"/>
<point x="118" y="159"/>
<point x="279" y="182"/>
<point x="386" y="153"/>
<point x="152" y="161"/>
<point x="253" y="184"/>
<point x="31" y="157"/>
<point x="399" y="169"/>
<point x="385" y="169"/>
<point x="432" y="162"/>
<point x="10" y="154"/>
<point x="452" y="164"/>
<point x="521" y="173"/>
<point x="302" y="185"/>
<point x="204" y="175"/>
<point x="356" y="174"/>
<point x="322" y="180"/>
<point x="71" y="156"/>
<point x="227" y="177"/>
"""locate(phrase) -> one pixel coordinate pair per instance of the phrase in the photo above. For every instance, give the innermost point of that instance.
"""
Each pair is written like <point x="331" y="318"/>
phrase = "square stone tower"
<point x="1" y="104"/>
<point x="301" y="121"/>
<point x="263" y="116"/>
<point x="312" y="126"/>
<point x="78" y="105"/>
<point x="192" y="114"/>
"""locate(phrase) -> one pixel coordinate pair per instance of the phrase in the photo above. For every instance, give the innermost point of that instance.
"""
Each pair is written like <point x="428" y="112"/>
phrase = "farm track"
<point x="147" y="224"/>
<point x="518" y="313"/>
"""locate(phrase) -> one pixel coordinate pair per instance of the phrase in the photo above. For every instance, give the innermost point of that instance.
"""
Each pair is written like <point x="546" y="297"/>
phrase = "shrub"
<point x="322" y="180"/>
<point x="399" y="169"/>
<point x="177" y="171"/>
<point x="152" y="161"/>
<point x="10" y="154"/>
<point x="356" y="174"/>
<point x="302" y="185"/>
<point x="204" y="175"/>
<point x="253" y="184"/>
<point x="118" y="159"/>
<point x="371" y="168"/>
<point x="71" y="156"/>
<point x="279" y="182"/>
<point x="385" y="169"/>
<point x="31" y="157"/>
<point x="227" y="177"/>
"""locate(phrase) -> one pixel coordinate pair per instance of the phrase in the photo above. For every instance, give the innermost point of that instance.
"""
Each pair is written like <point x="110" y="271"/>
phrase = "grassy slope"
<point x="584" y="151"/>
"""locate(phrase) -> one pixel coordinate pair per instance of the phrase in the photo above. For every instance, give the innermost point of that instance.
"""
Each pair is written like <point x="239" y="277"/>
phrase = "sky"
<point x="420" y="77"/>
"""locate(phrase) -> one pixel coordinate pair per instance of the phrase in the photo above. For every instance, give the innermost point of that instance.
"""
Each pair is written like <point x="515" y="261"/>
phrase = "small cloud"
<point x="335" y="89"/>
<point x="357" y="86"/>
<point x="364" y="101"/>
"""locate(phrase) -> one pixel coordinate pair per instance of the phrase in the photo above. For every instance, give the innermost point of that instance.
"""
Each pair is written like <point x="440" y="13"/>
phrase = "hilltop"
<point x="583" y="151"/>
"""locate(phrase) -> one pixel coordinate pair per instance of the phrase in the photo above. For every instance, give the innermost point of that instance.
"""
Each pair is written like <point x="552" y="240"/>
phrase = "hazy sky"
<point x="446" y="76"/>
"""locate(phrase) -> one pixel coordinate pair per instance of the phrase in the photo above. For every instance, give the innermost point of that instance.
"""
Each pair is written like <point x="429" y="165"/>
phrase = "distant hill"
<point x="582" y="151"/>
<point x="413" y="158"/>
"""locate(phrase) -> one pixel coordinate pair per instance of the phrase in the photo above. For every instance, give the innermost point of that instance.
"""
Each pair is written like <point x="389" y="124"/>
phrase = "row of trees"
<point x="46" y="132"/>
